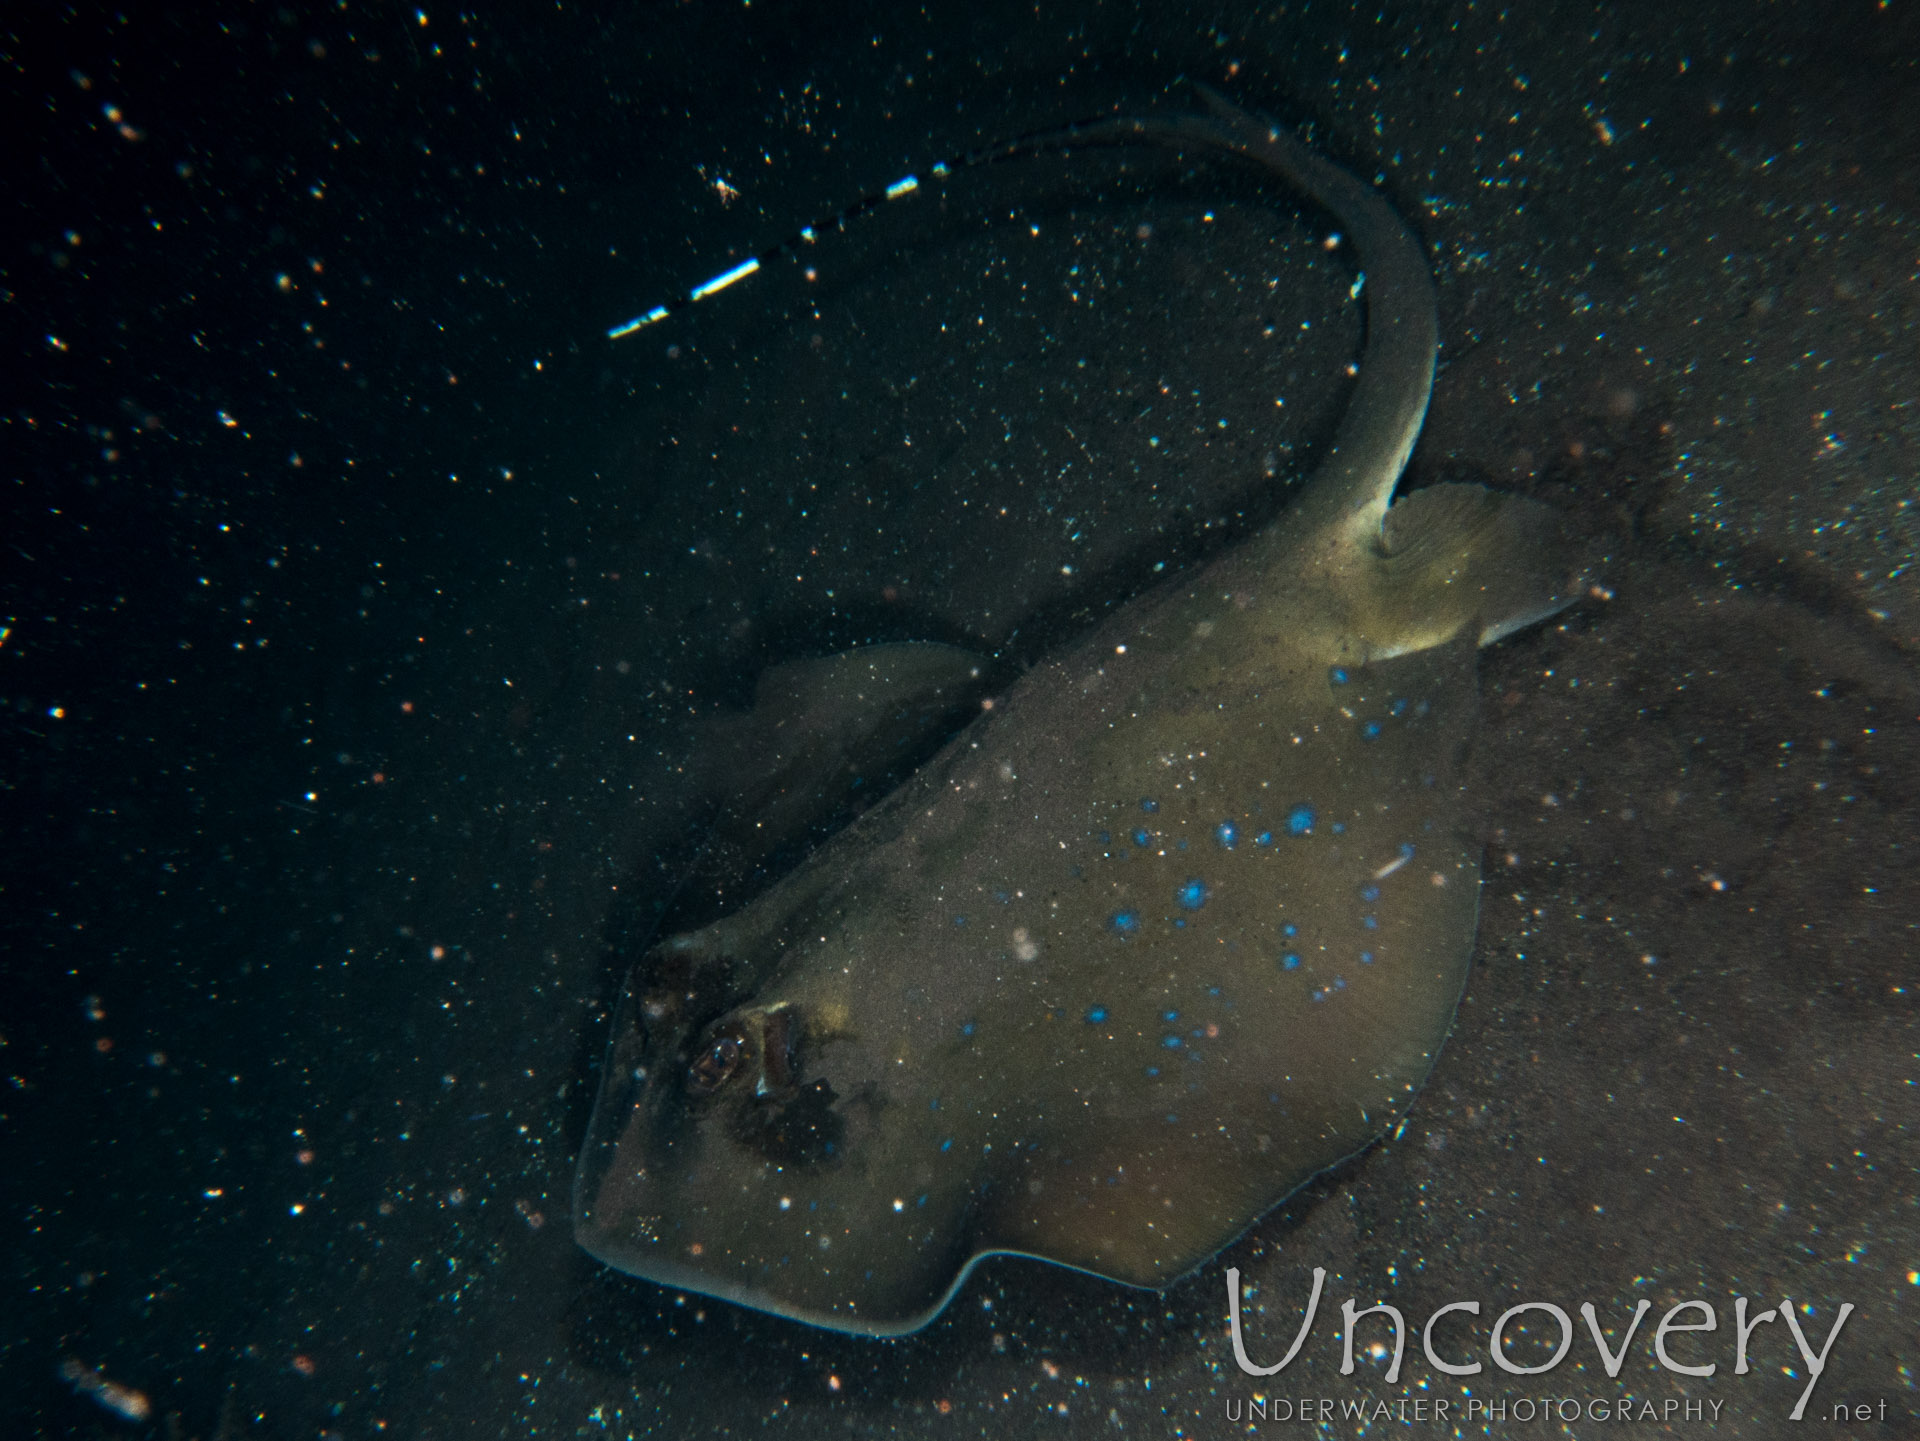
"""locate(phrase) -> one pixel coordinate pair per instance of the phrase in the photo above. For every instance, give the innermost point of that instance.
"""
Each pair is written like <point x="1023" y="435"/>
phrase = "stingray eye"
<point x="712" y="1068"/>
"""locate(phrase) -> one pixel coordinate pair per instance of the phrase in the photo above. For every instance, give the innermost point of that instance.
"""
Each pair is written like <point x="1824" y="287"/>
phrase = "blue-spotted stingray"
<point x="1178" y="923"/>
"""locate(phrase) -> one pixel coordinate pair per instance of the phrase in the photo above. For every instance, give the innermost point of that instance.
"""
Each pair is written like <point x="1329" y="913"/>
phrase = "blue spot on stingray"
<point x="1319" y="995"/>
<point x="1423" y="708"/>
<point x="1399" y="707"/>
<point x="1290" y="961"/>
<point x="1372" y="923"/>
<point x="1125" y="922"/>
<point x="1265" y="838"/>
<point x="1179" y="923"/>
<point x="922" y="1201"/>
<point x="1406" y="850"/>
<point x="1149" y="806"/>
<point x="1339" y="983"/>
<point x="1172" y="1119"/>
<point x="1096" y="1015"/>
<point x="1289" y="929"/>
<point x="1169" y="1015"/>
<point x="1338" y="675"/>
<point x="1300" y="821"/>
<point x="1192" y="895"/>
<point x="1153" y="1070"/>
<point x="1370" y="893"/>
<point x="934" y="1104"/>
<point x="1141" y="838"/>
<point x="959" y="921"/>
<point x="1106" y="838"/>
<point x="967" y="1029"/>
<point x="1339" y="828"/>
<point x="1366" y="958"/>
<point x="1370" y="731"/>
<point x="947" y="1145"/>
<point x="1181" y="846"/>
<point x="1227" y="833"/>
<point x="1172" y="1043"/>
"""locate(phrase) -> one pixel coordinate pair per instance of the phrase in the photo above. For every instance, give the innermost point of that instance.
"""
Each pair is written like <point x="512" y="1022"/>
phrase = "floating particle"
<point x="122" y="1400"/>
<point x="1393" y="865"/>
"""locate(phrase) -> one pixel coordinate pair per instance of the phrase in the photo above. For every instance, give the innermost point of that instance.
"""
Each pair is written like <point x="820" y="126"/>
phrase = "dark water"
<point x="369" y="619"/>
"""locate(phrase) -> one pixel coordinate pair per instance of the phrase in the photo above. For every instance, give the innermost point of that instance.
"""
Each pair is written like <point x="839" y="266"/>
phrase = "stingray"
<point x="1178" y="923"/>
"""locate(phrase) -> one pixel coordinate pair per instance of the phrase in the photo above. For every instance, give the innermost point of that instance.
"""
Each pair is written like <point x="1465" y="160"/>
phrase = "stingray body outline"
<point x="834" y="1103"/>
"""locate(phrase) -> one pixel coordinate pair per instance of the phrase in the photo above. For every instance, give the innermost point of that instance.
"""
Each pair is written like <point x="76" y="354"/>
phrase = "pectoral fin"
<point x="826" y="736"/>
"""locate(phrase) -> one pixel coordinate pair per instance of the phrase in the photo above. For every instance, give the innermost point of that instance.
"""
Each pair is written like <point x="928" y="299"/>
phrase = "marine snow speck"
<point x="792" y="1048"/>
